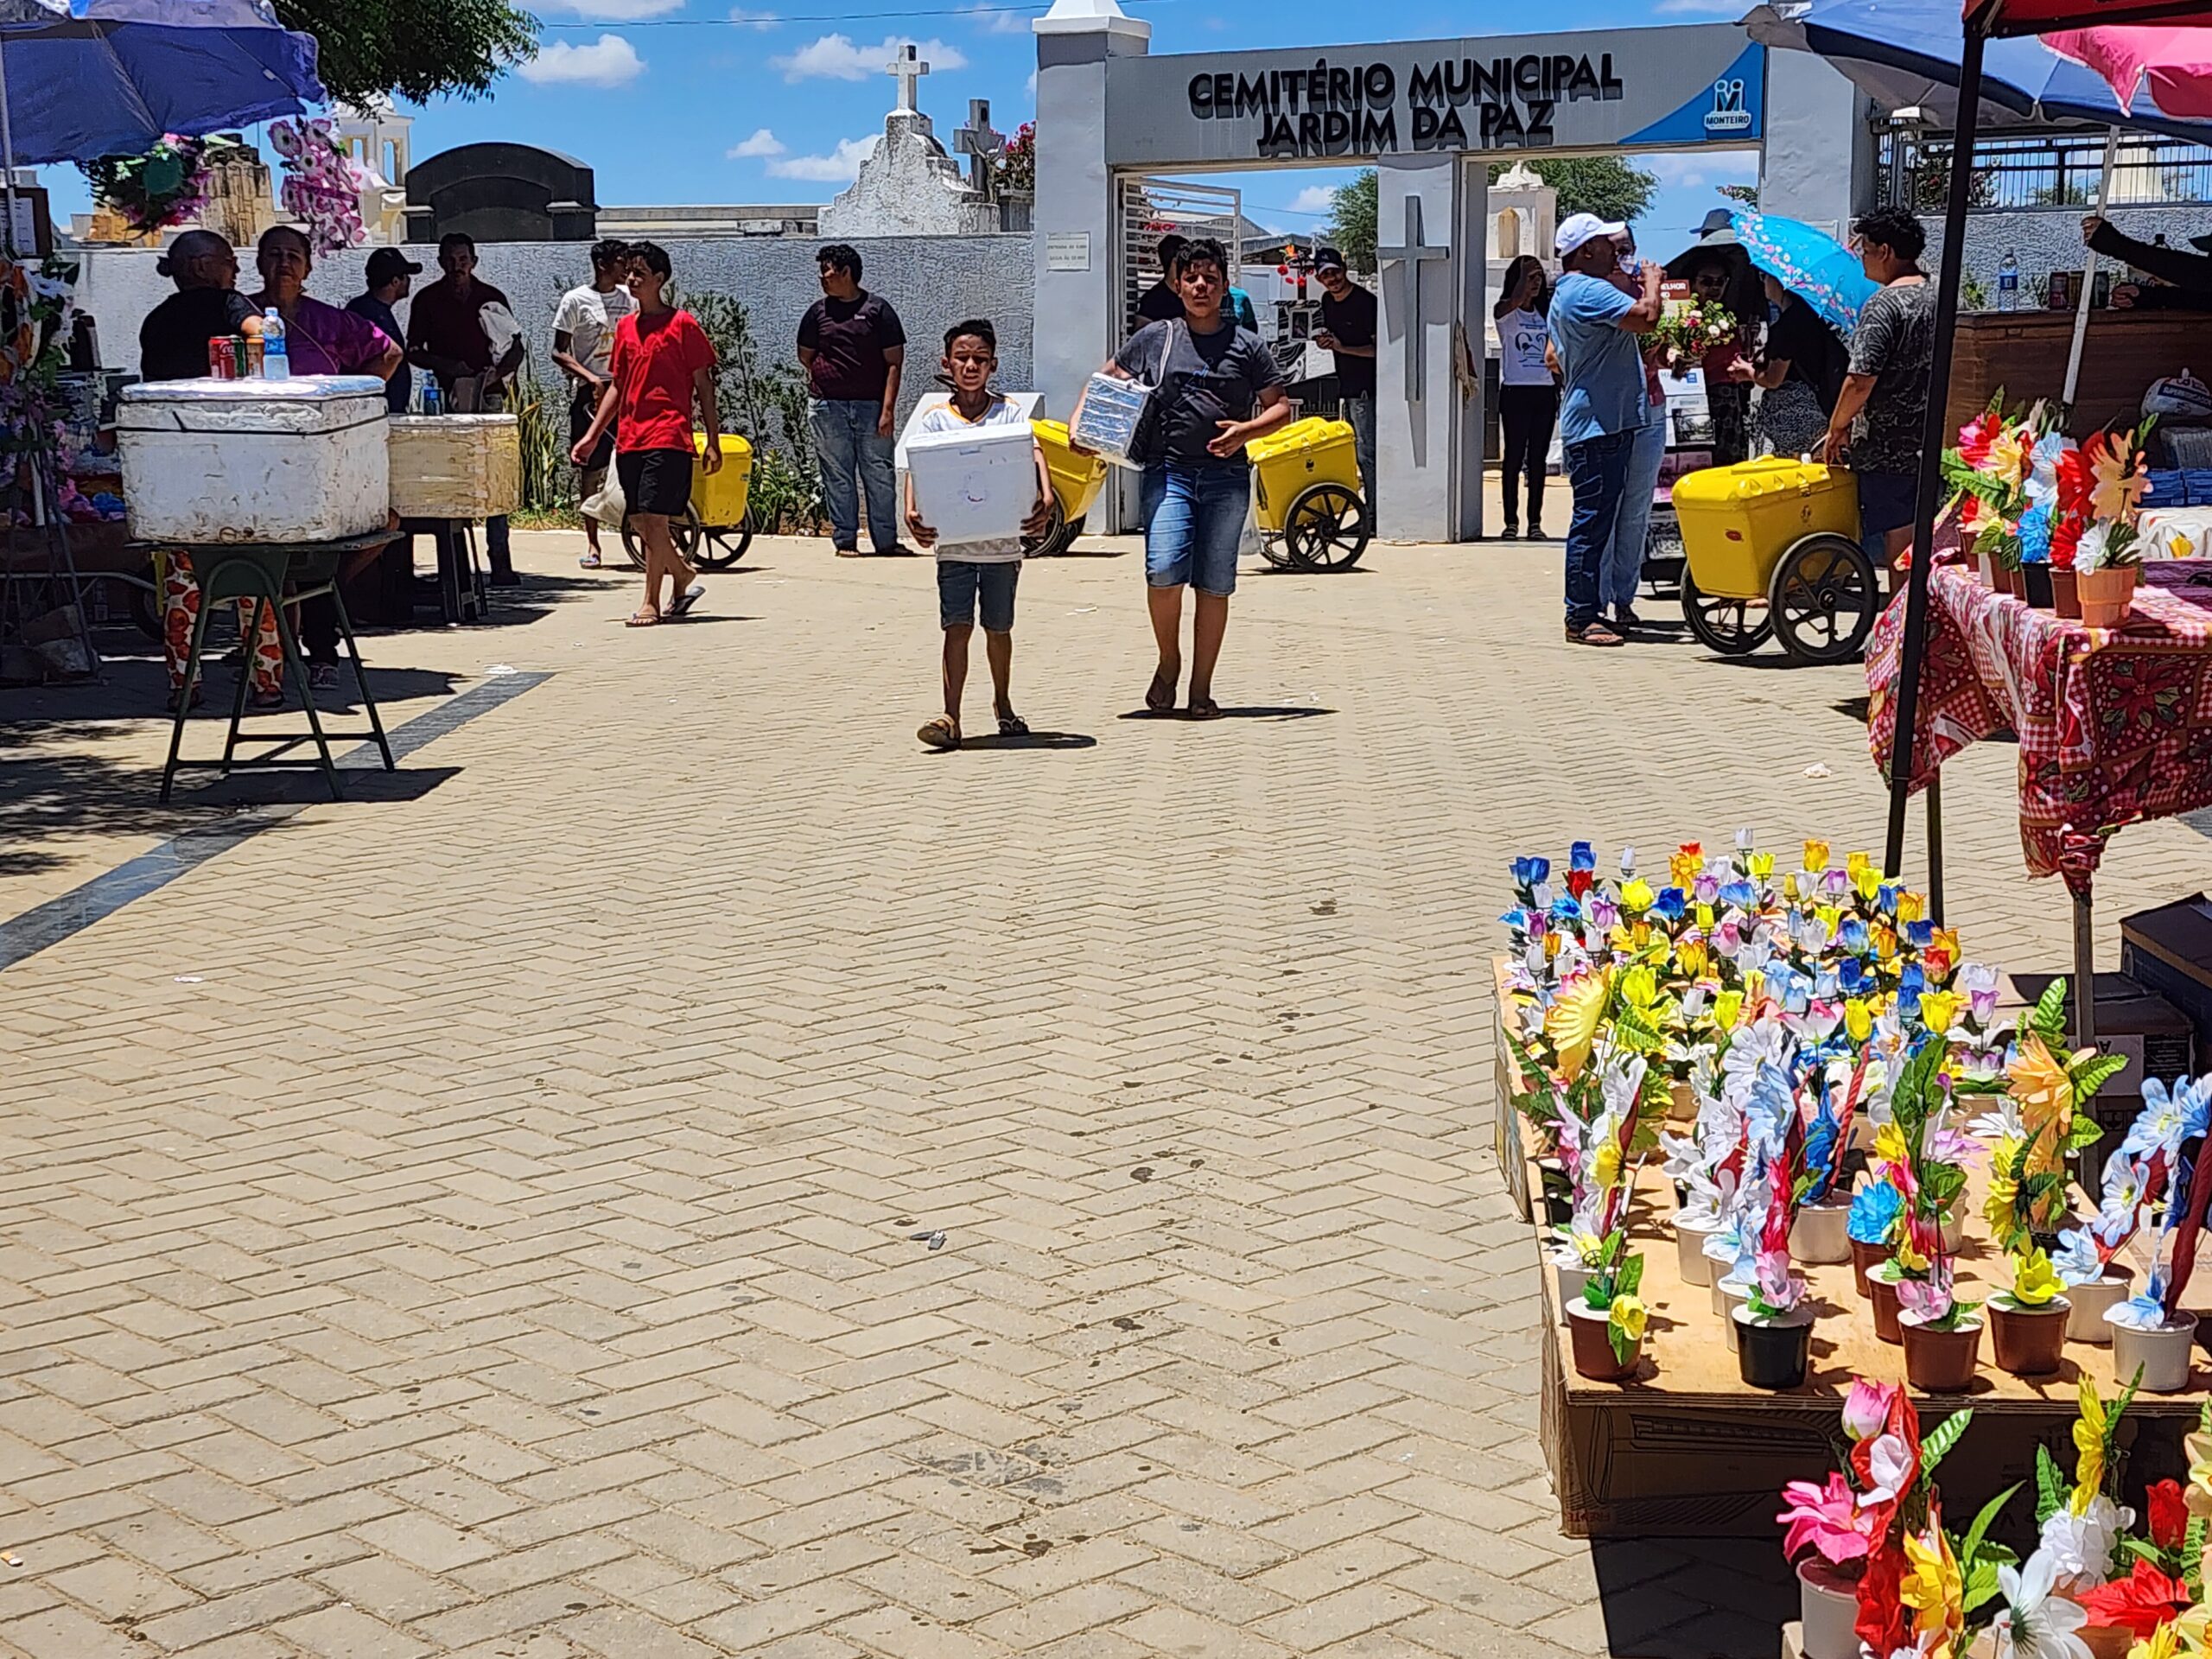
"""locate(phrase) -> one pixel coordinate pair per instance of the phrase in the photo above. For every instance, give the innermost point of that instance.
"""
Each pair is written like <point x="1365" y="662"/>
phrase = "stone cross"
<point x="909" y="68"/>
<point x="978" y="142"/>
<point x="1414" y="253"/>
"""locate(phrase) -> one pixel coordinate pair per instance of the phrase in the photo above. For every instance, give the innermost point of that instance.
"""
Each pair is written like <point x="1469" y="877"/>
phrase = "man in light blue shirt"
<point x="1594" y="332"/>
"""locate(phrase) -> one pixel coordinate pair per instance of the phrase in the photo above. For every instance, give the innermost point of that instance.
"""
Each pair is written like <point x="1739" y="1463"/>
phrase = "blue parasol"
<point x="1810" y="264"/>
<point x="112" y="78"/>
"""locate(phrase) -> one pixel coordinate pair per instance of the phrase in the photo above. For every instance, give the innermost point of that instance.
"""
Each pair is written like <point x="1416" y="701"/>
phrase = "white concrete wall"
<point x="933" y="282"/>
<point x="1418" y="494"/>
<point x="1819" y="165"/>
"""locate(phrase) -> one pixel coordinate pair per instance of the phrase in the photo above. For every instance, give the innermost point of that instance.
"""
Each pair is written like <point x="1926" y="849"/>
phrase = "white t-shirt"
<point x="1003" y="411"/>
<point x="1521" y="336"/>
<point x="588" y="317"/>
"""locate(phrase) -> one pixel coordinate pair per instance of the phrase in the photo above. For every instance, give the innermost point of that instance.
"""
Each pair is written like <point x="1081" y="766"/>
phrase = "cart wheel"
<point x="1073" y="529"/>
<point x="1734" y="627"/>
<point x="684" y="532"/>
<point x="721" y="547"/>
<point x="1823" y="599"/>
<point x="1053" y="539"/>
<point x="145" y="607"/>
<point x="1326" y="529"/>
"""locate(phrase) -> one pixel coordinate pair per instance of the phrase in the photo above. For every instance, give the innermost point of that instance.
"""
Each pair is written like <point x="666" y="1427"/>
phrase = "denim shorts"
<point x="964" y="586"/>
<point x="1193" y="524"/>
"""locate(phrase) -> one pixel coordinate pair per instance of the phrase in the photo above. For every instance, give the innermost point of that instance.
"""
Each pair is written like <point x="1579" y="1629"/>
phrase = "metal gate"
<point x="1146" y="209"/>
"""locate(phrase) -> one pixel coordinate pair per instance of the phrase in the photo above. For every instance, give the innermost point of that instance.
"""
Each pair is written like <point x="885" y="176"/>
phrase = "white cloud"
<point x="762" y="142"/>
<point x="834" y="57"/>
<point x="1313" y="198"/>
<point x="841" y="166"/>
<point x="753" y="19"/>
<point x="1689" y="170"/>
<point x="1730" y="9"/>
<point x="609" y="61"/>
<point x="994" y="17"/>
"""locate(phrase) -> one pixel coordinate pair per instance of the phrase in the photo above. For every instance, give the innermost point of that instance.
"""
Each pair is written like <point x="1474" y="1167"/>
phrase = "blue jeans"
<point x="1193" y="523"/>
<point x="1598" y="469"/>
<point x="1359" y="414"/>
<point x="845" y="441"/>
<point x="1624" y="571"/>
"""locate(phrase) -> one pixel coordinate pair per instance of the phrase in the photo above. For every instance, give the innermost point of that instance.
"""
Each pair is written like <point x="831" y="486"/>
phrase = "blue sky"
<point x="774" y="100"/>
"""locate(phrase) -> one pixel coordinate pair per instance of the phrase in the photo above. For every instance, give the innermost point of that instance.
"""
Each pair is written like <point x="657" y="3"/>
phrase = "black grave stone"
<point x="501" y="193"/>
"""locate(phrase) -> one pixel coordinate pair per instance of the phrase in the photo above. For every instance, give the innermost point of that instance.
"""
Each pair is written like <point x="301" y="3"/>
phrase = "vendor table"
<point x="2114" y="724"/>
<point x="275" y="575"/>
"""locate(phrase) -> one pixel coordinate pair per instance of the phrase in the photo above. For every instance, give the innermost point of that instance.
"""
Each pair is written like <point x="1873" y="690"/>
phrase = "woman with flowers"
<point x="1724" y="363"/>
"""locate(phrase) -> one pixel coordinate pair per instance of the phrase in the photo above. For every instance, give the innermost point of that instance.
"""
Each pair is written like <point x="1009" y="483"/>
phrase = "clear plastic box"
<point x="1107" y="422"/>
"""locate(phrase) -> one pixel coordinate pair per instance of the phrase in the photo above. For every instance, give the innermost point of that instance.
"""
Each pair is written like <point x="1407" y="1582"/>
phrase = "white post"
<point x="2089" y="275"/>
<point x="1417" y="404"/>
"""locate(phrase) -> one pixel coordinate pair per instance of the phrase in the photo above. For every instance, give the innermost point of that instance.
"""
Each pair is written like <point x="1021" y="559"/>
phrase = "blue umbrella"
<point x="112" y="80"/>
<point x="1906" y="53"/>
<point x="1810" y="264"/>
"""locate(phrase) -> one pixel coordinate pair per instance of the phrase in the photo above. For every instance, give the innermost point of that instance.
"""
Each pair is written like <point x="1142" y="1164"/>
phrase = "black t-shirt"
<point x="848" y="337"/>
<point x="1161" y="303"/>
<point x="1815" y="356"/>
<point x="1352" y="320"/>
<point x="172" y="341"/>
<point x="1203" y="380"/>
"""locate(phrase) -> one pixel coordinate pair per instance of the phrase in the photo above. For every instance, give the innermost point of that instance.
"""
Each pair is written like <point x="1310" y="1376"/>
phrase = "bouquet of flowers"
<point x="1686" y="332"/>
<point x="2004" y="470"/>
<point x="166" y="186"/>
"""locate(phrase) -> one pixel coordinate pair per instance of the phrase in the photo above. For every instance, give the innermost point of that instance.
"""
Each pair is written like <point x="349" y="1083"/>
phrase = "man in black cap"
<point x="1348" y="323"/>
<point x="388" y="274"/>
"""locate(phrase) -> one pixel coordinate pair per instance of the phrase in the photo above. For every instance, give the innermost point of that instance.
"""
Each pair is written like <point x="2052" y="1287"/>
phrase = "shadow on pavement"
<point x="1033" y="741"/>
<point x="1633" y="1587"/>
<point x="305" y="787"/>
<point x="1232" y="711"/>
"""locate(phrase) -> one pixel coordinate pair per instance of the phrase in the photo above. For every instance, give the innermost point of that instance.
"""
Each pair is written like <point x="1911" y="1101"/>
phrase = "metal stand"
<point x="26" y="596"/>
<point x="2085" y="971"/>
<point x="1935" y="793"/>
<point x="272" y="574"/>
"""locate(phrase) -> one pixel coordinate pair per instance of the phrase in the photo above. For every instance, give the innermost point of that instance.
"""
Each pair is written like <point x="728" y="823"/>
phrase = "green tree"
<point x="1351" y="229"/>
<point x="1604" y="185"/>
<point x="412" y="49"/>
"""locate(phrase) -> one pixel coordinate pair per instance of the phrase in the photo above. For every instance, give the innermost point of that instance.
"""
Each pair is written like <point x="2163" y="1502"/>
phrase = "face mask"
<point x="1628" y="264"/>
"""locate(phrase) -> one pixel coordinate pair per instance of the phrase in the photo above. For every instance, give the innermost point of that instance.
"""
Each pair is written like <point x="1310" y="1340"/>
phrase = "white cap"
<point x="1580" y="227"/>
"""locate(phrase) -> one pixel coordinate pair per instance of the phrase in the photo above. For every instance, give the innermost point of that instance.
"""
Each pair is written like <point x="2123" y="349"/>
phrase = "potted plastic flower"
<point x="1828" y="1529"/>
<point x="2153" y="1335"/>
<point x="1876" y="1210"/>
<point x="2081" y="1526"/>
<point x="1607" y="1328"/>
<point x="1774" y="1327"/>
<point x="2136" y="1178"/>
<point x="2108" y="559"/>
<point x="2027" y="1323"/>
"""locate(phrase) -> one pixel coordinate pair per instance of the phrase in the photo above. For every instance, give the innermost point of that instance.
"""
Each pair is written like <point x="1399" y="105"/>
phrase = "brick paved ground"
<point x="482" y="1218"/>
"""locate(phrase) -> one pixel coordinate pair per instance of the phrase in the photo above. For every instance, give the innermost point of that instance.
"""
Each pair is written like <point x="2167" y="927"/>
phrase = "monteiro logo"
<point x="1727" y="113"/>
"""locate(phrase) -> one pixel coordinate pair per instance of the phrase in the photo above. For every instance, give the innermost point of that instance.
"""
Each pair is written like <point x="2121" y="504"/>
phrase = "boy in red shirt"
<point x="662" y="364"/>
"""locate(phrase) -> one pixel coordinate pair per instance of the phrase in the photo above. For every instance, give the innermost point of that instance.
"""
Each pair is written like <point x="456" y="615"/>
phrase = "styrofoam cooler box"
<point x="973" y="486"/>
<point x="1030" y="403"/>
<point x="455" y="466"/>
<point x="301" y="459"/>
<point x="1107" y="422"/>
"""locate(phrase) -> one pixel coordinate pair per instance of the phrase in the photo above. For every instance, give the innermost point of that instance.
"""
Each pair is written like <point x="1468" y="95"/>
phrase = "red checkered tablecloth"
<point x="2114" y="724"/>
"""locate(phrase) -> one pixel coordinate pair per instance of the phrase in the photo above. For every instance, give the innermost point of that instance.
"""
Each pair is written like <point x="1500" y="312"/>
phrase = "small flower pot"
<point x="2106" y="595"/>
<point x="1681" y="1102"/>
<point x="1989" y="572"/>
<point x="2034" y="580"/>
<point x="2065" y="598"/>
<point x="1690" y="1250"/>
<point x="2010" y="578"/>
<point x="1820" y="1235"/>
<point x="1827" y="1606"/>
<point x="1941" y="1361"/>
<point x="2028" y="1341"/>
<point x="1773" y="1353"/>
<point x="1559" y="1191"/>
<point x="1593" y="1348"/>
<point x="2164" y="1352"/>
<point x="2108" y="1641"/>
<point x="1882" y="1297"/>
<point x="1728" y="1296"/>
<point x="1864" y="1258"/>
<point x="2087" y="1322"/>
<point x="1572" y="1277"/>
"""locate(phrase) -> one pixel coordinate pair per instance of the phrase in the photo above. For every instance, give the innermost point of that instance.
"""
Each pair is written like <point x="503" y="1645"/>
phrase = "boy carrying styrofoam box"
<point x="976" y="486"/>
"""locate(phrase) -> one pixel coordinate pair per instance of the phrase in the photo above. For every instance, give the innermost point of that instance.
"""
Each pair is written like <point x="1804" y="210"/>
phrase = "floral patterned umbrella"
<point x="1810" y="264"/>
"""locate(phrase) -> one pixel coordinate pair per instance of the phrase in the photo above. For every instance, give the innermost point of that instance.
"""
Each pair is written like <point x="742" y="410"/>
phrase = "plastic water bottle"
<point x="276" y="358"/>
<point x="2008" y="284"/>
<point x="431" y="404"/>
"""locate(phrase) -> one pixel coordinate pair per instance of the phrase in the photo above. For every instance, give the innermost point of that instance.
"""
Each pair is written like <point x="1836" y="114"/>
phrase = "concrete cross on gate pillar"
<point x="909" y="68"/>
<point x="978" y="142"/>
<point x="1414" y="253"/>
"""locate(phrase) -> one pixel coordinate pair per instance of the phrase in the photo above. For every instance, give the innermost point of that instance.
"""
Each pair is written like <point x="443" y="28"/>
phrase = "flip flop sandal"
<point x="265" y="700"/>
<point x="588" y="562"/>
<point x="1159" y="696"/>
<point x="642" y="619"/>
<point x="1013" y="726"/>
<point x="939" y="733"/>
<point x="686" y="599"/>
<point x="1204" y="708"/>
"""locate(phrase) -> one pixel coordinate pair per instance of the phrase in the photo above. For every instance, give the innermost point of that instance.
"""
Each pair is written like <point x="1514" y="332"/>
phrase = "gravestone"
<point x="501" y="193"/>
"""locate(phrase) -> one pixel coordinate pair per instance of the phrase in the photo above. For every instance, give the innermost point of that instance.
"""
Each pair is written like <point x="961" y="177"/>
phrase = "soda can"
<point x="223" y="359"/>
<point x="249" y="369"/>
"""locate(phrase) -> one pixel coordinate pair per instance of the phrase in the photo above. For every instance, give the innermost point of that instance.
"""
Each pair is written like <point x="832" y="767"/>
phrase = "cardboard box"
<point x="2169" y="950"/>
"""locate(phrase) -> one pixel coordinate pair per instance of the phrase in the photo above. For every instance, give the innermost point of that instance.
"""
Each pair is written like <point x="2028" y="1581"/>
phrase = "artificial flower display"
<point x="2137" y="1176"/>
<point x="2042" y="1122"/>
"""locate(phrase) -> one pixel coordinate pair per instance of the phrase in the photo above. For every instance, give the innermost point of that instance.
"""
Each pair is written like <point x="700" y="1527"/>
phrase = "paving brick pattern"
<point x="518" y="1238"/>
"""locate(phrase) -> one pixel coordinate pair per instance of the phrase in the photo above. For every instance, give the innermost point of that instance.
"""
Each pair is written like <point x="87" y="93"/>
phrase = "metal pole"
<point x="1934" y="794"/>
<point x="2085" y="971"/>
<point x="1931" y="445"/>
<point x="2088" y="279"/>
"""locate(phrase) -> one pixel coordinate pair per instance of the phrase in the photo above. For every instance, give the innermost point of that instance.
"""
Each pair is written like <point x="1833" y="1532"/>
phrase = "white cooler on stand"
<point x="976" y="485"/>
<point x="210" y="462"/>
